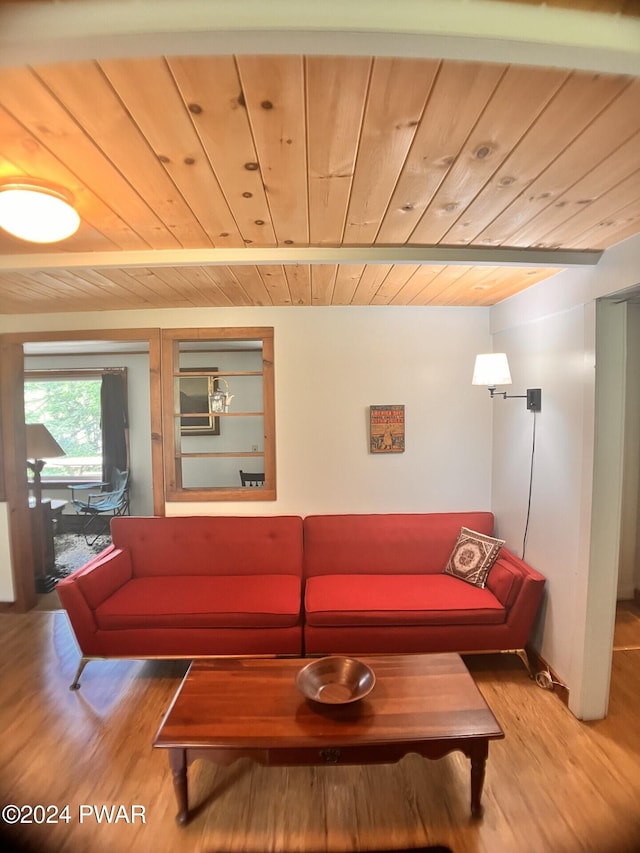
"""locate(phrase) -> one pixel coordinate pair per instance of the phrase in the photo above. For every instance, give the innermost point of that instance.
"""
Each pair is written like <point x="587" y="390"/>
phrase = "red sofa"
<point x="375" y="584"/>
<point x="353" y="584"/>
<point x="190" y="587"/>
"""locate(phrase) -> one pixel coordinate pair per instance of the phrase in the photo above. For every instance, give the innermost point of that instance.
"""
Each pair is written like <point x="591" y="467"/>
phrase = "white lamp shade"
<point x="39" y="215"/>
<point x="41" y="444"/>
<point x="491" y="369"/>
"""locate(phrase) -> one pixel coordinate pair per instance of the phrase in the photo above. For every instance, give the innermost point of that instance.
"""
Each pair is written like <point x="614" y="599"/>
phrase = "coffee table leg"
<point x="178" y="765"/>
<point x="478" y="757"/>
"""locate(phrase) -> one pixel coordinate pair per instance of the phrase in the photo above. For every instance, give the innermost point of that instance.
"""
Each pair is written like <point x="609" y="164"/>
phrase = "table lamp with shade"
<point x="41" y="445"/>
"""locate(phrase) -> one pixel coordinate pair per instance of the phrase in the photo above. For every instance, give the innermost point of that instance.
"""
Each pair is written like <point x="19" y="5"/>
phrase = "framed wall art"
<point x="386" y="429"/>
<point x="195" y="402"/>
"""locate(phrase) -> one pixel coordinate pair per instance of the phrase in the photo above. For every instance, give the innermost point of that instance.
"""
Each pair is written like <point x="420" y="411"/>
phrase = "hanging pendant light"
<point x="37" y="213"/>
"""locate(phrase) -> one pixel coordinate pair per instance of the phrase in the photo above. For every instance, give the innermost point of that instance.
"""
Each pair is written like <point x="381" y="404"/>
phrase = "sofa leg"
<point x="524" y="657"/>
<point x="75" y="684"/>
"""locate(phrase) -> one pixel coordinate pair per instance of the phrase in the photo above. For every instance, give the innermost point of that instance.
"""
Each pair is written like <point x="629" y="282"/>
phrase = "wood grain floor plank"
<point x="553" y="784"/>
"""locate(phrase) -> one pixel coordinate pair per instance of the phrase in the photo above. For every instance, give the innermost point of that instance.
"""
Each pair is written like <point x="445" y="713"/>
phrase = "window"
<point x="68" y="404"/>
<point x="218" y="413"/>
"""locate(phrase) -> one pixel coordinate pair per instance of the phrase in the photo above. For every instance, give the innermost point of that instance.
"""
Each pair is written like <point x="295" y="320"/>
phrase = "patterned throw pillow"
<point x="472" y="556"/>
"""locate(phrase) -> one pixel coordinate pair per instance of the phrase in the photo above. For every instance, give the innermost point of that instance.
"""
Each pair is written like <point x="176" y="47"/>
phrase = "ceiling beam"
<point x="465" y="255"/>
<point x="484" y="30"/>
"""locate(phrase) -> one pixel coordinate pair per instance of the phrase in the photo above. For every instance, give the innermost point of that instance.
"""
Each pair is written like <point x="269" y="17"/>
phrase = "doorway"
<point x="122" y="345"/>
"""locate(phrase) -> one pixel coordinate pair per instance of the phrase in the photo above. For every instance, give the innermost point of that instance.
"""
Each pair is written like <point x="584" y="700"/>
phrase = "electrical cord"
<point x="533" y="453"/>
<point x="545" y="680"/>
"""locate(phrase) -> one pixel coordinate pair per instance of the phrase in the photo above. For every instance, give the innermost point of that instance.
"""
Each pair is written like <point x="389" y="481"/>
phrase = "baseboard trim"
<point x="539" y="664"/>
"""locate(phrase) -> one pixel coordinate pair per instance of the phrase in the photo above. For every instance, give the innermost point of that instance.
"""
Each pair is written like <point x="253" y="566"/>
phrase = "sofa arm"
<point x="519" y="587"/>
<point x="83" y="591"/>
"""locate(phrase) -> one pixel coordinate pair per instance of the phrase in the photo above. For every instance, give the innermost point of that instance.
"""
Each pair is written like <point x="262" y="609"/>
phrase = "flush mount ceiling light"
<point x="40" y="214"/>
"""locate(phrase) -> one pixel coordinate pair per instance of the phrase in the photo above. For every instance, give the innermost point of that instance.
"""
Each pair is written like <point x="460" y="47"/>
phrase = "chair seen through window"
<point x="252" y="479"/>
<point x="100" y="507"/>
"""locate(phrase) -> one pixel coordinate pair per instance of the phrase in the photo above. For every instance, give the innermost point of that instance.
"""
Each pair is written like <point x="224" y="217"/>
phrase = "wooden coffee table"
<point x="251" y="708"/>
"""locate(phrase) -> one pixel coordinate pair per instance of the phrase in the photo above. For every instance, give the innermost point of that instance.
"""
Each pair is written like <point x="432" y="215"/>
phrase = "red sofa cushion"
<point x="206" y="545"/>
<point x="265" y="601"/>
<point x="368" y="600"/>
<point x="385" y="544"/>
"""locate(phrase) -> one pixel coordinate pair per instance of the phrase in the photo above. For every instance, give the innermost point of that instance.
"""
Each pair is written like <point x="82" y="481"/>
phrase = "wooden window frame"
<point x="170" y="370"/>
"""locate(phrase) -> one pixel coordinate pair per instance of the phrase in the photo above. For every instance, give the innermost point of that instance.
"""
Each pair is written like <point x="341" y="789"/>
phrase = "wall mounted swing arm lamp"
<point x="492" y="369"/>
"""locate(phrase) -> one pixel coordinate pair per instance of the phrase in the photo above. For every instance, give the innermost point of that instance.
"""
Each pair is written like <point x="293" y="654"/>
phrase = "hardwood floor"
<point x="554" y="784"/>
<point x="627" y="630"/>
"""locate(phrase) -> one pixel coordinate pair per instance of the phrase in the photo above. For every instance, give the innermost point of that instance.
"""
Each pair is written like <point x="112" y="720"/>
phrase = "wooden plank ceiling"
<point x="183" y="153"/>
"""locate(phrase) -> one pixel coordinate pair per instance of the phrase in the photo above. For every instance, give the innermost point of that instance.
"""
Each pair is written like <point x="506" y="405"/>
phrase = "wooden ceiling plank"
<point x="430" y="294"/>
<point x="619" y="166"/>
<point x="214" y="295"/>
<point x="186" y="285"/>
<point x="516" y="103"/>
<point x="468" y="297"/>
<point x="210" y="87"/>
<point x="396" y="100"/>
<point x="417" y="283"/>
<point x="323" y="281"/>
<point x="86" y="93"/>
<point x="611" y="129"/>
<point x="398" y="277"/>
<point x="176" y="282"/>
<point x="31" y="287"/>
<point x="276" y="283"/>
<point x="33" y="105"/>
<point x="619" y="225"/>
<point x="480" y="283"/>
<point x="122" y="287"/>
<point x="574" y="107"/>
<point x="242" y="284"/>
<point x="602" y="209"/>
<point x="273" y="90"/>
<point x="459" y="95"/>
<point x="450" y="288"/>
<point x="148" y="91"/>
<point x="479" y="286"/>
<point x="143" y="295"/>
<point x="32" y="159"/>
<point x="370" y="283"/>
<point x="347" y="278"/>
<point x="336" y="94"/>
<point x="58" y="291"/>
<point x="514" y="283"/>
<point x="163" y="294"/>
<point x="299" y="280"/>
<point x="74" y="286"/>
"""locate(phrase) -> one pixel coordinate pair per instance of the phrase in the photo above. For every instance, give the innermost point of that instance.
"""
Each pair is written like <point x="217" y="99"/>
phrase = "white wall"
<point x="6" y="577"/>
<point x="548" y="333"/>
<point x="331" y="364"/>
<point x="629" y="571"/>
<point x="547" y="354"/>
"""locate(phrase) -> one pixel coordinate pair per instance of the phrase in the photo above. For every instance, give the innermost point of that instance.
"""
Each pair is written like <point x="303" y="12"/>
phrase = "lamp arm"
<point x="504" y="395"/>
<point x="533" y="397"/>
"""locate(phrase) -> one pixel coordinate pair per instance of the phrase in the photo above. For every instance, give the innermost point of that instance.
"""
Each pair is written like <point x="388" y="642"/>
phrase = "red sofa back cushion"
<point x="211" y="545"/>
<point x="401" y="543"/>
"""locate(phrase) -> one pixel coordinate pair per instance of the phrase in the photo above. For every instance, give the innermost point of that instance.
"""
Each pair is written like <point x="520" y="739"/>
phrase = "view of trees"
<point x="70" y="409"/>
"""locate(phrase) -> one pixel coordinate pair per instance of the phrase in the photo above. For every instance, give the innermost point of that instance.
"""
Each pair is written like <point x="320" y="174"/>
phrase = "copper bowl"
<point x="335" y="680"/>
